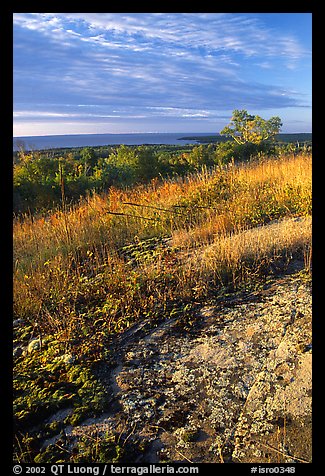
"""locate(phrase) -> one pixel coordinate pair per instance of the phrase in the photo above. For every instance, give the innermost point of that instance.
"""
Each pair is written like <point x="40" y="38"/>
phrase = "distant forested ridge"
<point x="301" y="137"/>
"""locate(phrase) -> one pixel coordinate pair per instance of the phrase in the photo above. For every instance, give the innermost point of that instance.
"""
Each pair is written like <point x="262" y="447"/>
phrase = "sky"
<point x="97" y="73"/>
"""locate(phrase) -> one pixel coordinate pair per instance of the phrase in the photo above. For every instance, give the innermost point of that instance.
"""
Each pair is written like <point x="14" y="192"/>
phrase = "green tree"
<point x="88" y="159"/>
<point x="122" y="163"/>
<point x="244" y="127"/>
<point x="147" y="165"/>
<point x="203" y="154"/>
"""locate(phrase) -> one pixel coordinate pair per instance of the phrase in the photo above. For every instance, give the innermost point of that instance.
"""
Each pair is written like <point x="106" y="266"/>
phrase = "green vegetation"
<point x="298" y="139"/>
<point x="43" y="178"/>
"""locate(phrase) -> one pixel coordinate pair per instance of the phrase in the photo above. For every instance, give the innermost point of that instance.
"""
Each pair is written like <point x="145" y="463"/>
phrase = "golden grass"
<point x="283" y="185"/>
<point x="258" y="193"/>
<point x="221" y="225"/>
<point x="254" y="246"/>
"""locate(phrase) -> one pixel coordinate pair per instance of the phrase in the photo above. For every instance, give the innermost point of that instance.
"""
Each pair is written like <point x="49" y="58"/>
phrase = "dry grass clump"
<point x="241" y="255"/>
<point x="250" y="195"/>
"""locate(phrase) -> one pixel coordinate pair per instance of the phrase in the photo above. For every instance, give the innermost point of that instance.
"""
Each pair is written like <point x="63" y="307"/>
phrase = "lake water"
<point x="84" y="140"/>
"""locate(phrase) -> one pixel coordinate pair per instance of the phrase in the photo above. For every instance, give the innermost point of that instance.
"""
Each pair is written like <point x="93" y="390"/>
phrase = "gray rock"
<point x="34" y="345"/>
<point x="18" y="322"/>
<point x="17" y="352"/>
<point x="66" y="358"/>
<point x="235" y="388"/>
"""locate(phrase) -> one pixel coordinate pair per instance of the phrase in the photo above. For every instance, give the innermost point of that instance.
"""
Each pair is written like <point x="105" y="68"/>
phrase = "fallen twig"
<point x="168" y="210"/>
<point x="282" y="453"/>
<point x="131" y="216"/>
<point x="183" y="456"/>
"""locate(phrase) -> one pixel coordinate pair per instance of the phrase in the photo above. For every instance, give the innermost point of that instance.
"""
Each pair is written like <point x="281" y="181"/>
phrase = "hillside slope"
<point x="168" y="322"/>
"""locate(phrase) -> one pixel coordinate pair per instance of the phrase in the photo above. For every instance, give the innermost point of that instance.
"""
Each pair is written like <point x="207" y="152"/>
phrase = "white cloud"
<point x="43" y="114"/>
<point x="232" y="33"/>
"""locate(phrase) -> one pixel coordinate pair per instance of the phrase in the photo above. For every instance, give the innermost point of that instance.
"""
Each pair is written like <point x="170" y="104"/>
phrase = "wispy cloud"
<point x="168" y="61"/>
<point x="213" y="32"/>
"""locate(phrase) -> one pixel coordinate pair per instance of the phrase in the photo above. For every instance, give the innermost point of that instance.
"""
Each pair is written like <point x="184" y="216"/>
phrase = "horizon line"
<point x="136" y="133"/>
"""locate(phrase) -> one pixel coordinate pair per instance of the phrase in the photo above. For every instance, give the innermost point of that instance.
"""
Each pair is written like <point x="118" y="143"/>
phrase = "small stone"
<point x="130" y="355"/>
<point x="18" y="322"/>
<point x="188" y="435"/>
<point x="35" y="344"/>
<point x="17" y="352"/>
<point x="66" y="358"/>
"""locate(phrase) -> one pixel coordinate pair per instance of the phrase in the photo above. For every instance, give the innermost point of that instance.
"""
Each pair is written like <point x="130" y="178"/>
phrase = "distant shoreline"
<point x="96" y="140"/>
<point x="290" y="137"/>
<point x="68" y="141"/>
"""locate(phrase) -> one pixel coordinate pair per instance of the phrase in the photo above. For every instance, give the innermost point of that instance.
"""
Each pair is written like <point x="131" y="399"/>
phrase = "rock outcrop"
<point x="234" y="387"/>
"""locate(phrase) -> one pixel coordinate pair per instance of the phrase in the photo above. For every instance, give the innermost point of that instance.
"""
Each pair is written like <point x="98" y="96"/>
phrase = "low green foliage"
<point x="87" y="449"/>
<point x="37" y="184"/>
<point x="46" y="382"/>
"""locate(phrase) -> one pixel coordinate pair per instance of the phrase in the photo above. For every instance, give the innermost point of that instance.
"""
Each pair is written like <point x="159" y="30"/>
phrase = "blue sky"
<point x="78" y="73"/>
